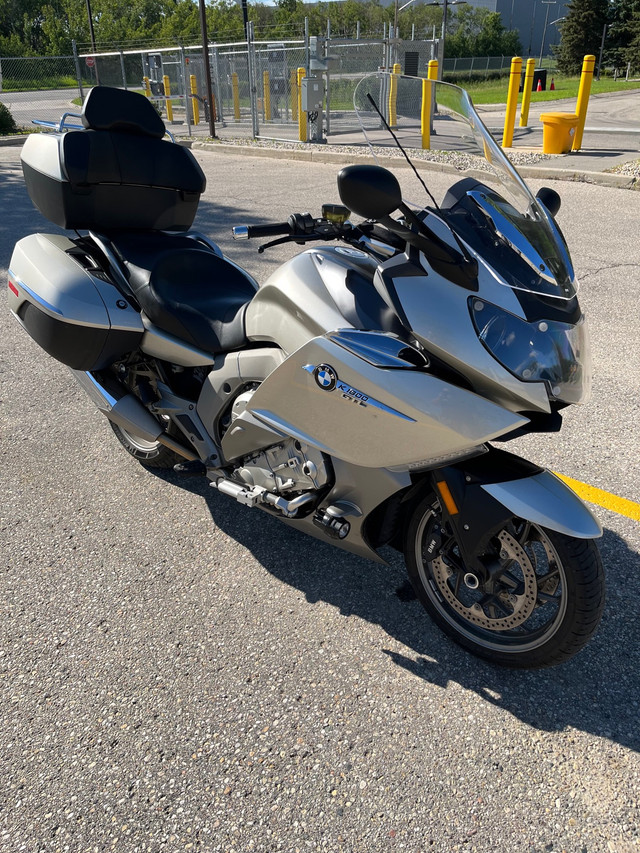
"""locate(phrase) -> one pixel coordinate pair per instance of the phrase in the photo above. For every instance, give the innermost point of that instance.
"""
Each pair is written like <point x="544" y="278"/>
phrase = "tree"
<point x="622" y="43"/>
<point x="479" y="32"/>
<point x="581" y="33"/>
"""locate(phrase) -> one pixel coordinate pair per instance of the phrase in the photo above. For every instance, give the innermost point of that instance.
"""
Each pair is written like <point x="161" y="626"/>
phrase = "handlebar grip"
<point x="247" y="232"/>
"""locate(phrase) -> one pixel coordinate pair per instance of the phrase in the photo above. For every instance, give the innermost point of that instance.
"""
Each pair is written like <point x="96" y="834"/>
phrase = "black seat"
<point x="187" y="290"/>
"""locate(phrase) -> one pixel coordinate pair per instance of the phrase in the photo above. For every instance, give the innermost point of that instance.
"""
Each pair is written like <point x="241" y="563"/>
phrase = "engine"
<point x="284" y="468"/>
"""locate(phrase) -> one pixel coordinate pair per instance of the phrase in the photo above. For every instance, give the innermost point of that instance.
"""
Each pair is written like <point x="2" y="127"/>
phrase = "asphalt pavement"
<point x="178" y="672"/>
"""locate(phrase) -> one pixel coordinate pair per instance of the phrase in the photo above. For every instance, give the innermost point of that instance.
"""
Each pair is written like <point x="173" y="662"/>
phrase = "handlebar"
<point x="248" y="232"/>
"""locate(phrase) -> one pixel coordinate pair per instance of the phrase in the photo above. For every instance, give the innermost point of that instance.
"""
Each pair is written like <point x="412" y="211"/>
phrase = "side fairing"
<point x="319" y="290"/>
<point x="371" y="416"/>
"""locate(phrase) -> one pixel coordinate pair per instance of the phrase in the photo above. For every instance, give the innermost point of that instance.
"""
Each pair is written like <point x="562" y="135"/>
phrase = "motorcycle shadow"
<point x="597" y="691"/>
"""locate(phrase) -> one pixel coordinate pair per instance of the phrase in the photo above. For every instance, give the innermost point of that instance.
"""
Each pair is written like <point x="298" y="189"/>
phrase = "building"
<point x="528" y="17"/>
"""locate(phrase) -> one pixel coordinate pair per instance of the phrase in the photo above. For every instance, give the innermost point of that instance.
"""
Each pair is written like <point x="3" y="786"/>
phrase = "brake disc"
<point x="522" y="605"/>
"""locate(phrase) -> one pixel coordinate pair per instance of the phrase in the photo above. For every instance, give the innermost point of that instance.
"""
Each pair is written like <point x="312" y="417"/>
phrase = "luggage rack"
<point x="63" y="124"/>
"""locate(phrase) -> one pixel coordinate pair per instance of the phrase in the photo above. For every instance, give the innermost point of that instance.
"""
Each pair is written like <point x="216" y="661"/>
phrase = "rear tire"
<point x="540" y="610"/>
<point x="151" y="454"/>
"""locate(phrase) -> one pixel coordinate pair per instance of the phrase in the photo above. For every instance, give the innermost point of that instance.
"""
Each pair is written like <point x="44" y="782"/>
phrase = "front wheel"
<point x="538" y="605"/>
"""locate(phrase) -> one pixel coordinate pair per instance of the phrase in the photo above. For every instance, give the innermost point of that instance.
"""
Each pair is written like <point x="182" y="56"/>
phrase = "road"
<point x="178" y="672"/>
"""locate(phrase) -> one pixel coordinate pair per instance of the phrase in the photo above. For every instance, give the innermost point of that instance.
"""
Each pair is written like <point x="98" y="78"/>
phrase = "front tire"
<point x="541" y="606"/>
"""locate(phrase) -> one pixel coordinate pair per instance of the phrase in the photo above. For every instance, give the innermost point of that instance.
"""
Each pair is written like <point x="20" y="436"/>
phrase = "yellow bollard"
<point x="194" y="100"/>
<point x="167" y="94"/>
<point x="266" y="88"/>
<point x="526" y="92"/>
<point x="583" y="98"/>
<point x="512" y="101"/>
<point x="236" y="96"/>
<point x="393" y="98"/>
<point x="397" y="68"/>
<point x="293" y="89"/>
<point x="426" y="111"/>
<point x="425" y="114"/>
<point x="147" y="86"/>
<point x="302" y="116"/>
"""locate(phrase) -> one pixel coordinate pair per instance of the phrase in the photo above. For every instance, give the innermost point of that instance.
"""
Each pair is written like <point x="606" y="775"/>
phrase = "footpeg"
<point x="192" y="468"/>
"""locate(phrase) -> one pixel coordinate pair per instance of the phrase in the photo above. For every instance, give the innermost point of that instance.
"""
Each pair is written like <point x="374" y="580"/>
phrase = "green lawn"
<point x="495" y="91"/>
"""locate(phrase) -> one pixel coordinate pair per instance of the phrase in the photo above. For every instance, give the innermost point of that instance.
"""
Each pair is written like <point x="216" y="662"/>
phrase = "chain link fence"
<point x="254" y="84"/>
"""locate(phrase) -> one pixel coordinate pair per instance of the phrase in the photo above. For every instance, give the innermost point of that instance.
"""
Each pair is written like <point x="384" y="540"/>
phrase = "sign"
<point x="90" y="61"/>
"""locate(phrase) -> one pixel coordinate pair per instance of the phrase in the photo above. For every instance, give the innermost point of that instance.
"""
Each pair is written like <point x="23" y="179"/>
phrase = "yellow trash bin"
<point x="557" y="132"/>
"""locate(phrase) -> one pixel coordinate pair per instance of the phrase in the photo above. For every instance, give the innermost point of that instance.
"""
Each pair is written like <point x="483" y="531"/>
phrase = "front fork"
<point x="480" y="496"/>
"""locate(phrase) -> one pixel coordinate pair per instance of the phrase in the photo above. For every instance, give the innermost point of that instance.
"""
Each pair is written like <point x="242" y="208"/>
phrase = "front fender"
<point x="545" y="500"/>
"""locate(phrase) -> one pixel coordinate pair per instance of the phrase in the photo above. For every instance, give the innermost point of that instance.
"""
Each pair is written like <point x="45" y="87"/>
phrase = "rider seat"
<point x="187" y="290"/>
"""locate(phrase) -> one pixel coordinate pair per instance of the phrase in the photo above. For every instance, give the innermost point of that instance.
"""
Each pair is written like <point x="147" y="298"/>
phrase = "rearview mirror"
<point x="550" y="199"/>
<point x="369" y="191"/>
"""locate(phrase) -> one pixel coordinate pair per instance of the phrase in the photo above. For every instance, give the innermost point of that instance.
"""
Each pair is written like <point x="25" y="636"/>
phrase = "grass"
<point x="495" y="91"/>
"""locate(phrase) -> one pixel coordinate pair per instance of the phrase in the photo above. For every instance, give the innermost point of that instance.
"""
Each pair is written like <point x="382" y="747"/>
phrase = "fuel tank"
<point x="321" y="289"/>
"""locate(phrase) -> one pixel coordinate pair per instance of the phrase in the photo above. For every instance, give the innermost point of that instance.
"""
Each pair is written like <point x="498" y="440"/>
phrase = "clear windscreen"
<point x="439" y="128"/>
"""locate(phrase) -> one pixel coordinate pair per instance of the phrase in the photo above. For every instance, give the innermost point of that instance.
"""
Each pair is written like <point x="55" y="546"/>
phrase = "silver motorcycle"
<point x="357" y="392"/>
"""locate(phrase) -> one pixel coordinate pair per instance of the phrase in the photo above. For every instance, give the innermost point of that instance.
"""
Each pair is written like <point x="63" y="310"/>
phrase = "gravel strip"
<point x="452" y="158"/>
<point x="632" y="169"/>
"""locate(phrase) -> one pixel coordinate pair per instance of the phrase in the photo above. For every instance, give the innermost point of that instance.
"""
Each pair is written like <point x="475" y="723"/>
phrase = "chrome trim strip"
<point x="42" y="302"/>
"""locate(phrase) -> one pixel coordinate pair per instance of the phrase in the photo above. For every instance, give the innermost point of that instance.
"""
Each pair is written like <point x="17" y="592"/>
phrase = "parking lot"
<point x="178" y="672"/>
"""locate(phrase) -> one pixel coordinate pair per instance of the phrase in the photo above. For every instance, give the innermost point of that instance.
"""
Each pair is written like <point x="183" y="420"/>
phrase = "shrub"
<point x="7" y="123"/>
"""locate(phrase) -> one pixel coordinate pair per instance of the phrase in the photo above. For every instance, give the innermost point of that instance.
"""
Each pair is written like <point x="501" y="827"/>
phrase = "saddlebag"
<point x="74" y="315"/>
<point x="117" y="173"/>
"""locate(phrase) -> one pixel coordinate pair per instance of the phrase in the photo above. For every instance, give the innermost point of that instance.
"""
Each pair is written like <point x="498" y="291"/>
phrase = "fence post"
<point x="236" y="96"/>
<point x="293" y="94"/>
<point x="122" y="68"/>
<point x="251" y="57"/>
<point x="167" y="94"/>
<point x="194" y="99"/>
<point x="77" y="64"/>
<point x="217" y="85"/>
<point x="582" y="104"/>
<point x="512" y="101"/>
<point x="302" y="116"/>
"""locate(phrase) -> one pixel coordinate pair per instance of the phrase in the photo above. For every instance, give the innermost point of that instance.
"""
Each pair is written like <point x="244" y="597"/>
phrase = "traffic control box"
<point x="557" y="132"/>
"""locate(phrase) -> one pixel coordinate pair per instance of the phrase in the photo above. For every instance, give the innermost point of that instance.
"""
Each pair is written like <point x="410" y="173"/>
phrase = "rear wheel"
<point x="538" y="605"/>
<point x="151" y="454"/>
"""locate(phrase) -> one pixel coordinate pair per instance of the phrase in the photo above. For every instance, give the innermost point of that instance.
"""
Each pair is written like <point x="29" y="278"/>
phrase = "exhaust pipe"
<point x="121" y="407"/>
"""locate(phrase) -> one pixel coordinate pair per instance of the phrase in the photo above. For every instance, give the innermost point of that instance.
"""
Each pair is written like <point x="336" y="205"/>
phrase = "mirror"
<point x="369" y="191"/>
<point x="550" y="199"/>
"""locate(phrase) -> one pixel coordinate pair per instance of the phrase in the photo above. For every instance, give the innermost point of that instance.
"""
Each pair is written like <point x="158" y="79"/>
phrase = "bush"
<point x="7" y="123"/>
<point x="461" y="77"/>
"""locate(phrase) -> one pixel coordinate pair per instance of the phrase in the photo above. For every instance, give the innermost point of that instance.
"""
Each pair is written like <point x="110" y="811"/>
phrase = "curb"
<point x="314" y="156"/>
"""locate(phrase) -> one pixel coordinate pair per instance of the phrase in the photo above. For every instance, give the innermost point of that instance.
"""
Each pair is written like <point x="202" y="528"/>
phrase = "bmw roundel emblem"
<point x="325" y="377"/>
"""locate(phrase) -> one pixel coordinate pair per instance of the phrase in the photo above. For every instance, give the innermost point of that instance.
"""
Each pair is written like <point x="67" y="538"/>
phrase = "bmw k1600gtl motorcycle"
<point x="355" y="393"/>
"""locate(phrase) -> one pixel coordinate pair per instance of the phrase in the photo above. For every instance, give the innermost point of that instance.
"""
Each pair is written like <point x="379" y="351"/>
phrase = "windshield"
<point x="439" y="128"/>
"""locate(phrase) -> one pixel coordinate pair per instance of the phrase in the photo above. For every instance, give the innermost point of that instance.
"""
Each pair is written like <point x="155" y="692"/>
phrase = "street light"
<point x="546" y="3"/>
<point x="445" y="5"/>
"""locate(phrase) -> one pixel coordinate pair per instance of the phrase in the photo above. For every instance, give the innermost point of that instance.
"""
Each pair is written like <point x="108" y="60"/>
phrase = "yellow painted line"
<point x="621" y="506"/>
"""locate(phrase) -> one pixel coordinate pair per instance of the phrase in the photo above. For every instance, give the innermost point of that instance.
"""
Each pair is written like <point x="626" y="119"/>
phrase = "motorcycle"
<point x="357" y="394"/>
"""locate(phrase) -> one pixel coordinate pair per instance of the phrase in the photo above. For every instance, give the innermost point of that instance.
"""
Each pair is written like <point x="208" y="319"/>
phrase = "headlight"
<point x="544" y="351"/>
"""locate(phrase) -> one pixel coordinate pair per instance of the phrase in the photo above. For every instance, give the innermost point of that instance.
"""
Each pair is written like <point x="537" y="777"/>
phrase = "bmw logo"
<point x="325" y="377"/>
